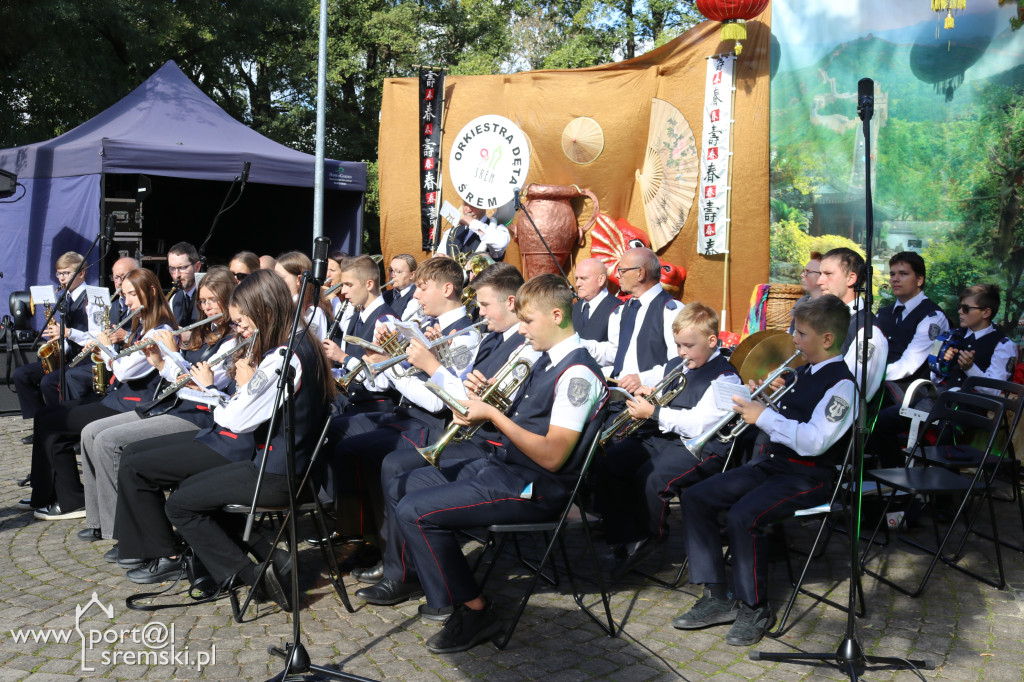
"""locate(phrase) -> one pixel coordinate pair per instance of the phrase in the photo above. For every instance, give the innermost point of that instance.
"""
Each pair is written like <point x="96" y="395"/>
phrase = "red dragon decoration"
<point x="612" y="238"/>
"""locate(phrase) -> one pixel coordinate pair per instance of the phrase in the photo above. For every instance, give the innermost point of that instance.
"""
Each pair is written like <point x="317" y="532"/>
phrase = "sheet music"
<point x="410" y="330"/>
<point x="724" y="392"/>
<point x="450" y="213"/>
<point x="43" y="293"/>
<point x="98" y="296"/>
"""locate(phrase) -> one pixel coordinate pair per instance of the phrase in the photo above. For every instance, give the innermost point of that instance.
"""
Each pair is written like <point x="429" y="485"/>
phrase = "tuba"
<point x="499" y="393"/>
<point x="624" y="425"/>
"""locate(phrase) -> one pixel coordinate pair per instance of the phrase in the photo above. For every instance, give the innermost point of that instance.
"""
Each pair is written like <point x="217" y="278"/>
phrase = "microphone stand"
<point x="519" y="206"/>
<point x="224" y="208"/>
<point x="850" y="657"/>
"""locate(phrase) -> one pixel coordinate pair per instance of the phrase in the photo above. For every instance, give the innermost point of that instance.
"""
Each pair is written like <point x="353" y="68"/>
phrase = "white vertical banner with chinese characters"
<point x="431" y="110"/>
<point x="716" y="156"/>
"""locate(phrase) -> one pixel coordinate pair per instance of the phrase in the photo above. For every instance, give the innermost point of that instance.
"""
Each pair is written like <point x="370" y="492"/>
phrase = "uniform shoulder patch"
<point x="258" y="382"/>
<point x="673" y="304"/>
<point x="933" y="331"/>
<point x="579" y="389"/>
<point x="871" y="350"/>
<point x="836" y="409"/>
<point x="461" y="357"/>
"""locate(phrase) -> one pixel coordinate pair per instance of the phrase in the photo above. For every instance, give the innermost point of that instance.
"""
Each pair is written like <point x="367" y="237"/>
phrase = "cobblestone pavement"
<point x="970" y="631"/>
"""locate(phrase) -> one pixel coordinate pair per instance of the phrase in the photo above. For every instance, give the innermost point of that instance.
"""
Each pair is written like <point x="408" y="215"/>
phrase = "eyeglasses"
<point x="622" y="270"/>
<point x="119" y="278"/>
<point x="240" y="275"/>
<point x="183" y="268"/>
<point x="207" y="301"/>
<point x="964" y="308"/>
<point x="807" y="273"/>
<point x="64" y="273"/>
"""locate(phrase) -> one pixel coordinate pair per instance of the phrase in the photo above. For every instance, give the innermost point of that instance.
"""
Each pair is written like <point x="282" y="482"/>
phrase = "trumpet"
<point x="213" y="362"/>
<point x="145" y="343"/>
<point x="696" y="445"/>
<point x="624" y="425"/>
<point x="346" y="379"/>
<point x="88" y="347"/>
<point x="499" y="393"/>
<point x="440" y="347"/>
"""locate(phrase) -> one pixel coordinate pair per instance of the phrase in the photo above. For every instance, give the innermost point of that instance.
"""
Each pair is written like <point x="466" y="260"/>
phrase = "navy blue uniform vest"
<point x="857" y="321"/>
<point x="399" y="303"/>
<point x="899" y="336"/>
<point x="309" y="409"/>
<point x="364" y="330"/>
<point x="698" y="381"/>
<point x="799" y="404"/>
<point x="125" y="396"/>
<point x="77" y="317"/>
<point x="651" y="350"/>
<point x="433" y="419"/>
<point x="596" y="326"/>
<point x="489" y="366"/>
<point x="983" y="349"/>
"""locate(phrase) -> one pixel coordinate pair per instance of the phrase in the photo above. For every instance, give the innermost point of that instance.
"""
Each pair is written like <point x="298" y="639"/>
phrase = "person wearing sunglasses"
<point x="910" y="324"/>
<point x="243" y="264"/>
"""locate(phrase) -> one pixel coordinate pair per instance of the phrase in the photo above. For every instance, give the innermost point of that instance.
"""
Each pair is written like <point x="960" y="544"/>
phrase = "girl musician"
<point x="57" y="491"/>
<point x="220" y="464"/>
<point x="103" y="440"/>
<point x="317" y="315"/>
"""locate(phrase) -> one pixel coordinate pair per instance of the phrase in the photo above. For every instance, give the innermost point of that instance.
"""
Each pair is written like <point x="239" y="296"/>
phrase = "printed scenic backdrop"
<point x="947" y="140"/>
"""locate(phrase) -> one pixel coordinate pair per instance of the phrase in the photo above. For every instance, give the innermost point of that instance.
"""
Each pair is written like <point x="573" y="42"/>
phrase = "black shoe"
<point x="388" y="593"/>
<point x="464" y="629"/>
<point x="113" y="555"/>
<point x="25" y="481"/>
<point x="365" y="556"/>
<point x="636" y="552"/>
<point x="707" y="611"/>
<point x="751" y="625"/>
<point x="372" y="575"/>
<point x="274" y="588"/>
<point x="90" y="534"/>
<point x="439" y="613"/>
<point x="55" y="513"/>
<point x="26" y="504"/>
<point x="157" y="571"/>
<point x="336" y="539"/>
<point x="27" y="440"/>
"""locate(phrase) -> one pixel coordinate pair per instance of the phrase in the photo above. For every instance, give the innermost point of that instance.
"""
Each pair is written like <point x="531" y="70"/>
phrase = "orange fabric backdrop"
<point x="618" y="96"/>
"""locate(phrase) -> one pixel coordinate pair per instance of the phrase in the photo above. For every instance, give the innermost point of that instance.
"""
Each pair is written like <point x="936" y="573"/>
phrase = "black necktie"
<point x="898" y="310"/>
<point x="186" y="310"/>
<point x="352" y="322"/>
<point x="625" y="334"/>
<point x="488" y="346"/>
<point x="586" y="314"/>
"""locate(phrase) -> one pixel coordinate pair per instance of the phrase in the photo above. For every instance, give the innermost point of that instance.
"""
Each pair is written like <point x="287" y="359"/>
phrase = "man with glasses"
<point x="183" y="264"/>
<point x="640" y="341"/>
<point x="809" y="281"/>
<point x="591" y="313"/>
<point x="910" y="324"/>
<point x="401" y="296"/>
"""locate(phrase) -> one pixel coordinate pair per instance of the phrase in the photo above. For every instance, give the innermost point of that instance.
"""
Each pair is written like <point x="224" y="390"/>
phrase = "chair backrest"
<point x="1011" y="395"/>
<point x="964" y="409"/>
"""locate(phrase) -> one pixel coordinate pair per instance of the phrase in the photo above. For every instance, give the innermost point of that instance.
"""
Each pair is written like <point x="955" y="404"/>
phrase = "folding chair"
<point x="314" y="508"/>
<point x="951" y="408"/>
<point x="552" y="531"/>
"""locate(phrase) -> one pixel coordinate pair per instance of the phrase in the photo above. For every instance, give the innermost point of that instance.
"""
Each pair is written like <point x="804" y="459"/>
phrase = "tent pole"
<point x="321" y="99"/>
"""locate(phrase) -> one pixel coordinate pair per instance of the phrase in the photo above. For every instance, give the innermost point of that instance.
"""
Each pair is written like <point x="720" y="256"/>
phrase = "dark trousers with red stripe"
<point x="54" y="465"/>
<point x="36" y="389"/>
<point x="753" y="496"/>
<point x="431" y="505"/>
<point x="148" y="467"/>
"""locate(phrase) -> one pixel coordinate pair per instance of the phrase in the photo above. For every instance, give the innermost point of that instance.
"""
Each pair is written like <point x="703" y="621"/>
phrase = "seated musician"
<point x="496" y="288"/>
<point x="529" y="478"/>
<point x="218" y="465"/>
<point x="793" y="467"/>
<point x="402" y="294"/>
<point x="183" y="263"/>
<point x="104" y="440"/>
<point x="37" y="388"/>
<point x="335" y="261"/>
<point x="243" y="264"/>
<point x="841" y="270"/>
<point x="57" y="491"/>
<point x="640" y="339"/>
<point x="118" y="310"/>
<point x="910" y="324"/>
<point x="591" y="313"/>
<point x="976" y="349"/>
<point x="639" y="474"/>
<point x="419" y="416"/>
<point x="476" y="233"/>
<point x="317" y="311"/>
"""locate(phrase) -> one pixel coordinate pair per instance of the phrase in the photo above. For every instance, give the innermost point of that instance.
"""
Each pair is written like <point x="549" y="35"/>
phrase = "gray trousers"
<point x="102" y="443"/>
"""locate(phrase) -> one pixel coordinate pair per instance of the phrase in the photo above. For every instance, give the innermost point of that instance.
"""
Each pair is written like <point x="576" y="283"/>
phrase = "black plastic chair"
<point x="552" y="532"/>
<point x="920" y="477"/>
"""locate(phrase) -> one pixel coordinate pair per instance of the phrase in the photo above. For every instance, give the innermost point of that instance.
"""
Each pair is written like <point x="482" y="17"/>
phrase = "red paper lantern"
<point x="733" y="14"/>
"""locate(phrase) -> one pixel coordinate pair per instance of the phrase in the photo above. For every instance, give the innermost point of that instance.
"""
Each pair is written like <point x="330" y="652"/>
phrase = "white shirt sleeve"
<point x="919" y="348"/>
<point x="253" y="402"/>
<point x="317" y="323"/>
<point x="134" y="366"/>
<point x="574" y="404"/>
<point x="1001" y="366"/>
<point x="832" y="417"/>
<point x="414" y="389"/>
<point x="604" y="352"/>
<point x="878" y="353"/>
<point x="494" y="237"/>
<point x="699" y="418"/>
<point x="653" y="375"/>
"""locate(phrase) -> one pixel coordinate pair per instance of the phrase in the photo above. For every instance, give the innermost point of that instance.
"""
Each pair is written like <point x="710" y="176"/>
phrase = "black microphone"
<point x="320" y="248"/>
<point x="108" y="231"/>
<point x="245" y="171"/>
<point x="515" y="197"/>
<point x="865" y="98"/>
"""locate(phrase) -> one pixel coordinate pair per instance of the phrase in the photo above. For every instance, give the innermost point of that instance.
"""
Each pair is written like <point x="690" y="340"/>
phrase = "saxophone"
<point x="100" y="373"/>
<point x="49" y="353"/>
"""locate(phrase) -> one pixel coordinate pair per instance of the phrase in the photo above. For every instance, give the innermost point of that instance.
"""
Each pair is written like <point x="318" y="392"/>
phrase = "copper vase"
<point x="550" y="206"/>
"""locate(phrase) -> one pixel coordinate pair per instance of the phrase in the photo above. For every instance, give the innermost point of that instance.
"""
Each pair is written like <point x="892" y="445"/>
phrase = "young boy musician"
<point x="793" y="466"/>
<point x="638" y="476"/>
<point x="528" y="479"/>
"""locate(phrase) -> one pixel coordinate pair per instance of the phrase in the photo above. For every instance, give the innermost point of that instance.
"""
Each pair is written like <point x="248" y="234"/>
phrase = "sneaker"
<point x="55" y="513"/>
<point x="464" y="629"/>
<point x="26" y="504"/>
<point x="751" y="625"/>
<point x="707" y="611"/>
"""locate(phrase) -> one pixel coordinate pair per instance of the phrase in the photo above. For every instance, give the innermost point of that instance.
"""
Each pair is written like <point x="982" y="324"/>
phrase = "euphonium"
<point x="49" y="353"/>
<point x="89" y="346"/>
<point x="499" y="393"/>
<point x="696" y="445"/>
<point x="624" y="425"/>
<point x="145" y="343"/>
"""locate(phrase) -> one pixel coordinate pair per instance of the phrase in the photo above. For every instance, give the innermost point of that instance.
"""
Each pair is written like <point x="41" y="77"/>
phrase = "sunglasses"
<point x="964" y="308"/>
<point x="240" y="275"/>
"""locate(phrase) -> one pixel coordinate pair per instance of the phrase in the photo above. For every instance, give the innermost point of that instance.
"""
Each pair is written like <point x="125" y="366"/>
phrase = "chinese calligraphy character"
<point x="712" y="153"/>
<point x="428" y="94"/>
<point x="429" y="78"/>
<point x="709" y="248"/>
<point x="430" y="198"/>
<point x="711" y="174"/>
<point x="428" y="129"/>
<point x="430" y="181"/>
<point x="711" y="191"/>
<point x="428" y="112"/>
<point x="715" y="99"/>
<point x="713" y="115"/>
<point x="429" y="163"/>
<point x="429" y="148"/>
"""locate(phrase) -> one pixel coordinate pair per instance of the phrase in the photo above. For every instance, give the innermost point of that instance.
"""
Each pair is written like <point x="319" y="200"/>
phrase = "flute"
<point x="89" y="346"/>
<point x="145" y="343"/>
<point x="213" y="362"/>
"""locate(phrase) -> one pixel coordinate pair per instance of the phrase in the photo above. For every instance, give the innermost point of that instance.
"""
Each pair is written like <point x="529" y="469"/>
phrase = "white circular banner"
<point x="489" y="158"/>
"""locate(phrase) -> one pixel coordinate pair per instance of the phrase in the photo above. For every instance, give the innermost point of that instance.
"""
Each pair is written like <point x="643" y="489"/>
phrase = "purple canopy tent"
<point x="165" y="127"/>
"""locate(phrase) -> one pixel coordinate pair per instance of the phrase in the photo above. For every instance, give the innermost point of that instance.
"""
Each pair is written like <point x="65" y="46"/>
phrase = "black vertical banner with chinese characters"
<point x="431" y="108"/>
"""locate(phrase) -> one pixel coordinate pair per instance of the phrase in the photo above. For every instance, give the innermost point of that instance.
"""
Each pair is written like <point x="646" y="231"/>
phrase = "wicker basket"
<point x="779" y="306"/>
